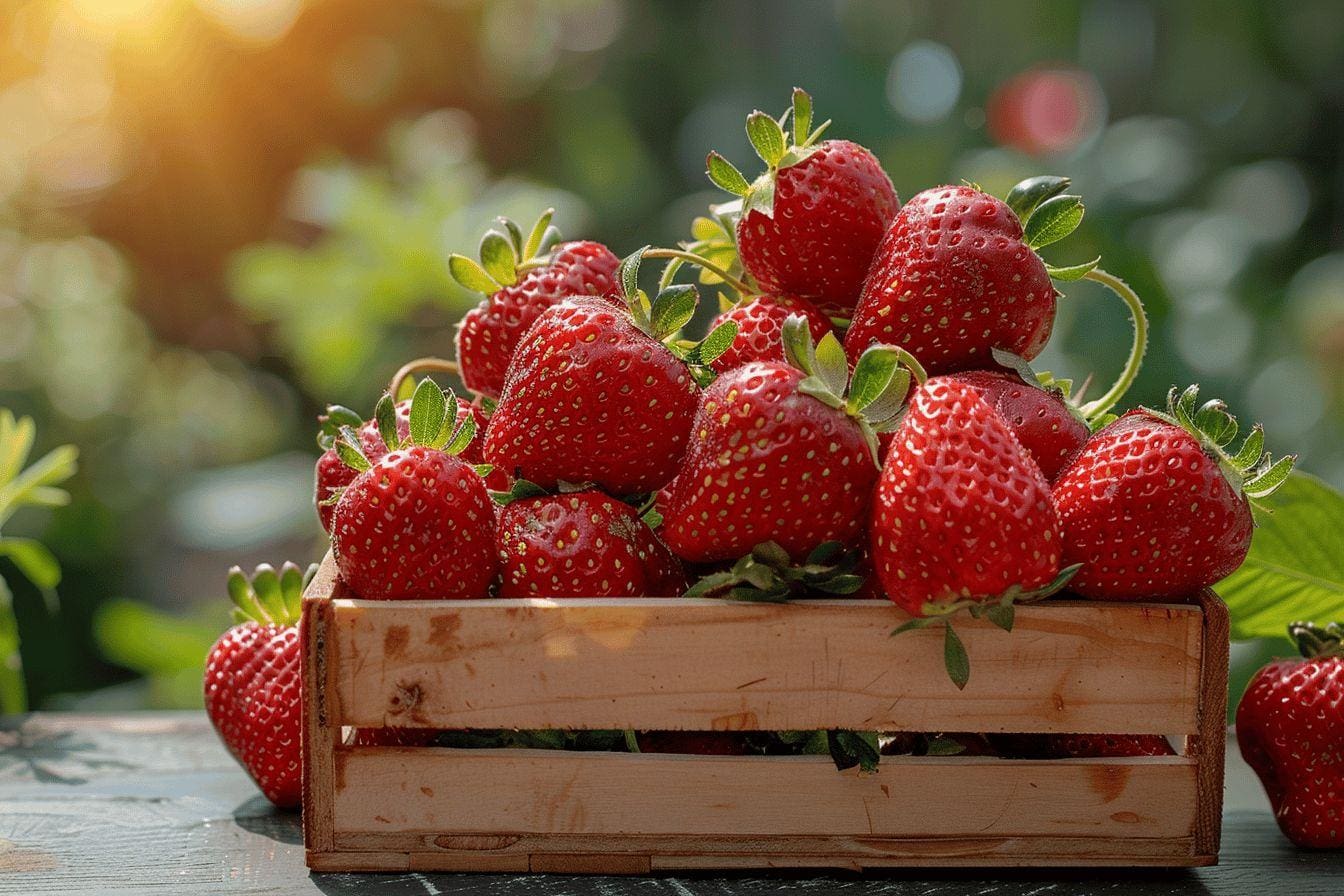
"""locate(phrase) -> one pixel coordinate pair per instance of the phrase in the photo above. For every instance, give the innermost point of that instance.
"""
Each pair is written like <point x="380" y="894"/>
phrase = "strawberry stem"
<point x="1095" y="410"/>
<point x="740" y="287"/>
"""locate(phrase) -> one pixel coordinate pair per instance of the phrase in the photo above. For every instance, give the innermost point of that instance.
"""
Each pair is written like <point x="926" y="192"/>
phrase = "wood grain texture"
<point x="1207" y="745"/>
<point x="320" y="730"/>
<point x="152" y="804"/>
<point x="703" y="664"/>
<point x="488" y="792"/>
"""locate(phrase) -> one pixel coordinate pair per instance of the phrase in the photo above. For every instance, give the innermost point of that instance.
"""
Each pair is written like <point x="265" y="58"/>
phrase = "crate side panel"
<point x="682" y="664"/>
<point x="472" y="792"/>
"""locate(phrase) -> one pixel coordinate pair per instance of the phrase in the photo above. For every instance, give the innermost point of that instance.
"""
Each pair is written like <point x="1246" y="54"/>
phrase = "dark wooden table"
<point x="152" y="804"/>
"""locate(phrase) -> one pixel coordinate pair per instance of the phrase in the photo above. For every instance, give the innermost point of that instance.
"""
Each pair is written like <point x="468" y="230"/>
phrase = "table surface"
<point x="152" y="803"/>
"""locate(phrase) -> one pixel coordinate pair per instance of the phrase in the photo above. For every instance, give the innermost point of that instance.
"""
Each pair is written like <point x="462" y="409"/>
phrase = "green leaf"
<point x="761" y="196"/>
<point x="37" y="564"/>
<point x="766" y="137"/>
<point x="1295" y="569"/>
<point x="955" y="658"/>
<point x="1072" y="272"/>
<point x="291" y="587"/>
<point x="385" y="413"/>
<point x="347" y="449"/>
<point x="1030" y="193"/>
<point x="1055" y="219"/>
<point x="725" y="175"/>
<point x="520" y="490"/>
<point x="471" y="275"/>
<point x="266" y="586"/>
<point x="465" y="432"/>
<point x="943" y="746"/>
<point x="719" y="340"/>
<point x="851" y="748"/>
<point x="13" y="692"/>
<point x="515" y="236"/>
<point x="797" y="340"/>
<point x="243" y="597"/>
<point x="16" y="442"/>
<point x="533" y="244"/>
<point x="498" y="259"/>
<point x="428" y="409"/>
<point x="673" y="309"/>
<point x="802" y="115"/>
<point x="1000" y="614"/>
<point x="872" y="375"/>
<point x="629" y="272"/>
<point x="832" y="366"/>
<point x="1267" y="482"/>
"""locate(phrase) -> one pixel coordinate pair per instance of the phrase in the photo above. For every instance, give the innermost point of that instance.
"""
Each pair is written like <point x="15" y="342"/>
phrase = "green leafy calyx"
<point x="769" y="575"/>
<point x="778" y="145"/>
<point x="1315" y="641"/>
<point x="505" y="255"/>
<point x="269" y="597"/>
<point x="1251" y="470"/>
<point x="665" y="315"/>
<point x="433" y="424"/>
<point x="874" y="395"/>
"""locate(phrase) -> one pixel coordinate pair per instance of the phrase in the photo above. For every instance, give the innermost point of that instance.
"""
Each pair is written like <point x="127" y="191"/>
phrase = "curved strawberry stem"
<point x="1318" y="641"/>
<point x="680" y="255"/>
<point x="420" y="365"/>
<point x="1094" y="410"/>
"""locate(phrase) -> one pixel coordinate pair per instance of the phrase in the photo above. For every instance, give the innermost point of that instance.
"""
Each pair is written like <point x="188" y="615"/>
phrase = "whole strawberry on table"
<point x="859" y="418"/>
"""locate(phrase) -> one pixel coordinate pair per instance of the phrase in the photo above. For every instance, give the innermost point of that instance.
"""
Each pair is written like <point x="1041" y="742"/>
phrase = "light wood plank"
<point x="538" y="791"/>
<point x="703" y="664"/>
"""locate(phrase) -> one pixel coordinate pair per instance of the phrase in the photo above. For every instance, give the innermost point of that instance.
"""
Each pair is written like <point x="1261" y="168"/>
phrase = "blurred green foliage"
<point x="198" y="249"/>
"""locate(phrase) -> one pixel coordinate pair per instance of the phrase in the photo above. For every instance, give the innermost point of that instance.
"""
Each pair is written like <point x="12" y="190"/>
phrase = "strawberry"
<point x="811" y="223"/>
<point x="962" y="512"/>
<point x="1290" y="726"/>
<point x="781" y="454"/>
<point x="760" y="328"/>
<point x="1080" y="746"/>
<point x="1154" y="506"/>
<point x="333" y="474"/>
<point x="520" y="282"/>
<point x="1048" y="428"/>
<point x="578" y="544"/>
<point x="418" y="522"/>
<point x="594" y="393"/>
<point x="958" y="275"/>
<point x="252" y="680"/>
<point x="962" y="517"/>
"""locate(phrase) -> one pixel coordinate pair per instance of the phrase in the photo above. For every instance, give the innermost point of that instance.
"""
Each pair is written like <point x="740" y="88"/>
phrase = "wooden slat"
<point x="678" y="846"/>
<point x="1207" y="746"/>
<point x="537" y="791"/>
<point x="702" y="664"/>
<point x="320" y="730"/>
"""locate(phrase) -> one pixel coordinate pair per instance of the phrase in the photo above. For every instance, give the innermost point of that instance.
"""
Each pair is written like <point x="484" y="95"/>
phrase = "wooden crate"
<point x="654" y="663"/>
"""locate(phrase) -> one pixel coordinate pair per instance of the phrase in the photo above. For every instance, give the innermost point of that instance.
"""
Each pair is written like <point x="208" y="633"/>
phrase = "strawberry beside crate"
<point x="844" y="582"/>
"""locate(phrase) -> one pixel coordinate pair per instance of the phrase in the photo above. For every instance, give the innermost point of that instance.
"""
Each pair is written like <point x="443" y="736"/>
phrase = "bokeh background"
<point x="218" y="215"/>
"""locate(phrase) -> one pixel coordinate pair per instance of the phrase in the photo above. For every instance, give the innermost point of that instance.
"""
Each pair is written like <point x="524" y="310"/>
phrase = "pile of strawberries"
<point x="859" y="419"/>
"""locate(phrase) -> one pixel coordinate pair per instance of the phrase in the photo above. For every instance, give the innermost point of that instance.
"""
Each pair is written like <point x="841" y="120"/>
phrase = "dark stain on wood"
<point x="482" y="842"/>
<point x="1109" y="781"/>
<point x="395" y="640"/>
<point x="1126" y="817"/>
<point x="443" y="630"/>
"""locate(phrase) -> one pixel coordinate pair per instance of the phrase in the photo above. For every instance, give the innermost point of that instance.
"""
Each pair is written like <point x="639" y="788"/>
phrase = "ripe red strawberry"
<point x="1290" y="726"/>
<point x="578" y="544"/>
<point x="760" y="328"/>
<point x="1050" y="431"/>
<point x="1154" y="506"/>
<point x="520" y="282"/>
<point x="957" y="275"/>
<point x="811" y="223"/>
<point x="1081" y="746"/>
<point x="252" y="681"/>
<point x="596" y="395"/>
<point x="418" y="522"/>
<point x="333" y="474"/>
<point x="780" y="454"/>
<point x="962" y="512"/>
